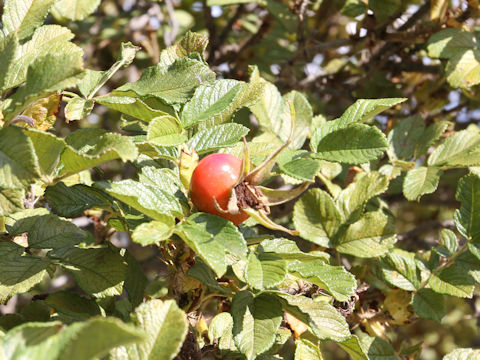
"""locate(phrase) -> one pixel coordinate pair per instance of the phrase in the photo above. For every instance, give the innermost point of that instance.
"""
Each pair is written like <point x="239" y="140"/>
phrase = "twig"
<point x="300" y="9"/>
<point x="212" y="31"/>
<point x="226" y="30"/>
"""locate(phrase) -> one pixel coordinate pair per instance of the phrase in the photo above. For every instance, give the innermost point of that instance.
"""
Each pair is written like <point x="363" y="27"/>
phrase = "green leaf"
<point x="229" y="2"/>
<point x="202" y="273"/>
<point x="210" y="100"/>
<point x="354" y="144"/>
<point x="148" y="199"/>
<point x="45" y="231"/>
<point x="165" y="179"/>
<point x="91" y="147"/>
<point x="420" y="181"/>
<point x="449" y="42"/>
<point x="373" y="235"/>
<point x="316" y="217"/>
<point x="217" y="137"/>
<point x="74" y="200"/>
<point x="154" y="231"/>
<point x="293" y="164"/>
<point x="166" y="327"/>
<point x="468" y="262"/>
<point x="404" y="137"/>
<point x="273" y="114"/>
<point x="429" y="137"/>
<point x="306" y="350"/>
<point x="365" y="109"/>
<point x="468" y="216"/>
<point x="11" y="200"/>
<point x="99" y="271"/>
<point x="47" y="74"/>
<point x="48" y="39"/>
<point x="154" y="151"/>
<point x="8" y="48"/>
<point x="175" y="83"/>
<point x="144" y="108"/>
<point x="78" y="108"/>
<point x="135" y="280"/>
<point x="429" y="305"/>
<point x="26" y="340"/>
<point x="221" y="328"/>
<point x="165" y="130"/>
<point x="400" y="269"/>
<point x="191" y="43"/>
<point x="353" y="8"/>
<point x="452" y="280"/>
<point x="75" y="9"/>
<point x="335" y="279"/>
<point x="20" y="274"/>
<point x="95" y="80"/>
<point x="353" y="346"/>
<point x="462" y="354"/>
<point x="378" y="348"/>
<point x="18" y="162"/>
<point x="289" y="250"/>
<point x="24" y="16"/>
<point x="448" y="243"/>
<point x="265" y="270"/>
<point x="255" y="322"/>
<point x="79" y="341"/>
<point x="460" y="149"/>
<point x="48" y="149"/>
<point x="72" y="306"/>
<point x="326" y="322"/>
<point x="463" y="69"/>
<point x="355" y="196"/>
<point x="384" y="9"/>
<point x="10" y="249"/>
<point x="211" y="237"/>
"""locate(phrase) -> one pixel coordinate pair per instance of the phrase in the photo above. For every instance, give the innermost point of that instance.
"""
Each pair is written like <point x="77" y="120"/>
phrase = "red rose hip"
<point x="214" y="179"/>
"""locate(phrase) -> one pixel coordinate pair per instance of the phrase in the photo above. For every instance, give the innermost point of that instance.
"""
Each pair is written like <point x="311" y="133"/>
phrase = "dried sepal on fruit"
<point x="224" y="185"/>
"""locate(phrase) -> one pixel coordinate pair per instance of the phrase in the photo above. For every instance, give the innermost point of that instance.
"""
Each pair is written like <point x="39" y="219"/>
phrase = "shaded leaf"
<point x="45" y="230"/>
<point x="467" y="218"/>
<point x="20" y="274"/>
<point x="99" y="271"/>
<point x="453" y="281"/>
<point x="429" y="305"/>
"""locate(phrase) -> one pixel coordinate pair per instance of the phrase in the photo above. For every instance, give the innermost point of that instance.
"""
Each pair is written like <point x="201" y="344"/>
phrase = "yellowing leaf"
<point x="44" y="111"/>
<point x="397" y="303"/>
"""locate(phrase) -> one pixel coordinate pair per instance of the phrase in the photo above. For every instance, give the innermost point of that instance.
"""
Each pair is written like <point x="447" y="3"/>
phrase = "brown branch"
<point x="212" y="31"/>
<point x="300" y="9"/>
<point x="226" y="30"/>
